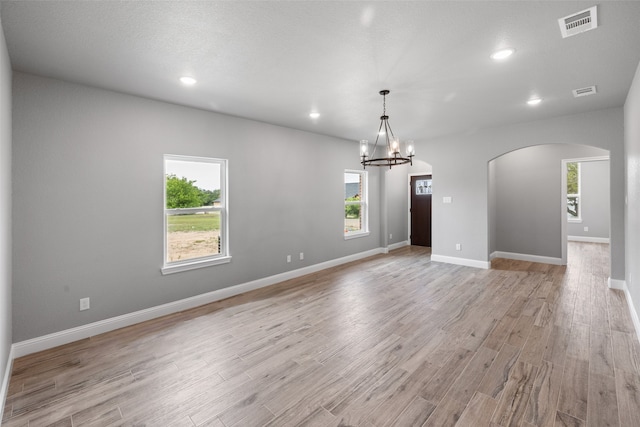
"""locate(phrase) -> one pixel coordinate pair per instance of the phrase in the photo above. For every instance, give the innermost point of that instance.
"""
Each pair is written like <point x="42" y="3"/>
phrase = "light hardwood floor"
<point x="391" y="340"/>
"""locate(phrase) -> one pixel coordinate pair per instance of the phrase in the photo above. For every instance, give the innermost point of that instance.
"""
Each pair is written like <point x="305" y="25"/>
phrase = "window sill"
<point x="356" y="235"/>
<point x="170" y="269"/>
<point x="575" y="221"/>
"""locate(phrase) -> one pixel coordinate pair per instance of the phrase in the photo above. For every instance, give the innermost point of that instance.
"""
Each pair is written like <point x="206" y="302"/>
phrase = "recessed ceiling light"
<point x="502" y="54"/>
<point x="314" y="115"/>
<point x="189" y="81"/>
<point x="534" y="101"/>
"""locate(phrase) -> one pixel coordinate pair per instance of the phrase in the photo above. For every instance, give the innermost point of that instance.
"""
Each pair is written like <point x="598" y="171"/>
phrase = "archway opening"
<point x="527" y="202"/>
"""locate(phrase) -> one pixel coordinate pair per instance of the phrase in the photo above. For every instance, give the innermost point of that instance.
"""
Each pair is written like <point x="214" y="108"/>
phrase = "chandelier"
<point x="392" y="157"/>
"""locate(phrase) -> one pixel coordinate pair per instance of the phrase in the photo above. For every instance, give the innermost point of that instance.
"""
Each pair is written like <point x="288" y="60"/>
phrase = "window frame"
<point x="194" y="263"/>
<point x="578" y="218"/>
<point x="363" y="202"/>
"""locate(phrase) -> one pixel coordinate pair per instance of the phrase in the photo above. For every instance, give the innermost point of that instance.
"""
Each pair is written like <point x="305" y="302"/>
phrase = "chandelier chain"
<point x="384" y="104"/>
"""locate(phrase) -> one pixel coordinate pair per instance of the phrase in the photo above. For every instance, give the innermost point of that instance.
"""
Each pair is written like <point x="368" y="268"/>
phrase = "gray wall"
<point x="88" y="197"/>
<point x="460" y="170"/>
<point x="88" y="191"/>
<point x="594" y="199"/>
<point x="527" y="194"/>
<point x="632" y="211"/>
<point x="5" y="205"/>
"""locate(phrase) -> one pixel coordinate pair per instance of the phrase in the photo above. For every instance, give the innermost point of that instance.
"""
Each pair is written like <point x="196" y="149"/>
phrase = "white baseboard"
<point x="398" y="245"/>
<point x="5" y="381"/>
<point x="461" y="261"/>
<point x="622" y="285"/>
<point x="588" y="239"/>
<point x="632" y="310"/>
<point x="616" y="284"/>
<point x="67" y="336"/>
<point x="527" y="257"/>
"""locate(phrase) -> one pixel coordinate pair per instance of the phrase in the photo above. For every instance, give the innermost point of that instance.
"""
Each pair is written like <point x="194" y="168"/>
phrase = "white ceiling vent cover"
<point x="584" y="91"/>
<point x="579" y="22"/>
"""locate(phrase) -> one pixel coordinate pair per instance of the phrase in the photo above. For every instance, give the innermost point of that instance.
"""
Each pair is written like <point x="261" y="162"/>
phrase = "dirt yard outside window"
<point x="192" y="236"/>
<point x="191" y="244"/>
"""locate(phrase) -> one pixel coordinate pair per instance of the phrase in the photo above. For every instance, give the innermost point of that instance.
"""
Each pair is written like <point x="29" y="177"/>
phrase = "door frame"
<point x="409" y="176"/>
<point x="563" y="200"/>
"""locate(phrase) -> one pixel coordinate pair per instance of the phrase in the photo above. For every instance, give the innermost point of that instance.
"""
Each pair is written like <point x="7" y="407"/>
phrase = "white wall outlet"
<point x="586" y="228"/>
<point x="446" y="199"/>
<point x="458" y="247"/>
<point x="390" y="236"/>
<point x="85" y="304"/>
<point x="301" y="255"/>
<point x="288" y="258"/>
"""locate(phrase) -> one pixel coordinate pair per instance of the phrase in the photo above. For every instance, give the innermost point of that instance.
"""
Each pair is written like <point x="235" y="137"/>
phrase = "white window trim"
<point x="578" y="219"/>
<point x="224" y="257"/>
<point x="356" y="234"/>
<point x="364" y="206"/>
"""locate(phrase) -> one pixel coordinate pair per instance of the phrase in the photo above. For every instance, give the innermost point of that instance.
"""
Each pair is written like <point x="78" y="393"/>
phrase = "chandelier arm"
<point x="386" y="132"/>
<point x="390" y="131"/>
<point x="373" y="153"/>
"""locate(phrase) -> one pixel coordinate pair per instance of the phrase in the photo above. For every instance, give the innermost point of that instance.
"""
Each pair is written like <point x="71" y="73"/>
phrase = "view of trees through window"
<point x="193" y="209"/>
<point x="183" y="193"/>
<point x="354" y="202"/>
<point x="573" y="190"/>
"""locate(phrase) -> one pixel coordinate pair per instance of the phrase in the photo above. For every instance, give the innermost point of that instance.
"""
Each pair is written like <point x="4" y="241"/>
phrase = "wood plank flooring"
<point x="393" y="340"/>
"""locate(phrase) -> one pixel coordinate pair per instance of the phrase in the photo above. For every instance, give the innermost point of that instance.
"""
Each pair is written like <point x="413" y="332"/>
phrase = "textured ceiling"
<point x="277" y="61"/>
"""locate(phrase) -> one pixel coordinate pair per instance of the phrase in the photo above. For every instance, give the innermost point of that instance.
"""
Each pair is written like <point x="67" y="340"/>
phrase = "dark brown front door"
<point x="421" y="210"/>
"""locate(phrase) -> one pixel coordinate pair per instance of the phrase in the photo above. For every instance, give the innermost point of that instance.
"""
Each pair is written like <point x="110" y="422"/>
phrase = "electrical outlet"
<point x="301" y="255"/>
<point x="446" y="199"/>
<point x="458" y="247"/>
<point x="288" y="258"/>
<point x="390" y="236"/>
<point x="85" y="304"/>
<point x="586" y="228"/>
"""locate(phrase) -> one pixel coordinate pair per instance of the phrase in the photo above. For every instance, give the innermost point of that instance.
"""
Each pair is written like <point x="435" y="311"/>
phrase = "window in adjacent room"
<point x="573" y="191"/>
<point x="355" y="204"/>
<point x="196" y="232"/>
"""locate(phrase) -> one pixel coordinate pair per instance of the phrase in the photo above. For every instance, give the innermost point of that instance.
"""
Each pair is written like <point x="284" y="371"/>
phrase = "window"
<point x="195" y="213"/>
<point x="355" y="204"/>
<point x="573" y="191"/>
<point x="423" y="186"/>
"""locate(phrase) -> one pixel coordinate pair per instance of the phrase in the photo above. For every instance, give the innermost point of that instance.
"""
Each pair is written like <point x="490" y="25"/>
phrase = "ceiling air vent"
<point x="584" y="91"/>
<point x="579" y="22"/>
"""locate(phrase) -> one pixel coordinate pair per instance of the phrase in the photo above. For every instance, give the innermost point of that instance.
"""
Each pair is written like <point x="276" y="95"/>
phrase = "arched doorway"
<point x="527" y="202"/>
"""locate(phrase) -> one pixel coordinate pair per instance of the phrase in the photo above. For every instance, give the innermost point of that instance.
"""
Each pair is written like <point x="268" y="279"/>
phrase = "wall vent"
<point x="584" y="91"/>
<point x="579" y="22"/>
